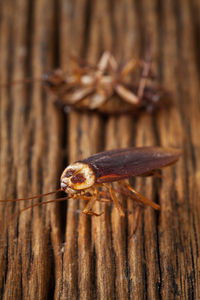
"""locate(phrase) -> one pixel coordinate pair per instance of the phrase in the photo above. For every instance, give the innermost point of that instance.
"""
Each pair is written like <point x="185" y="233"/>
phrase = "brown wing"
<point x="118" y="164"/>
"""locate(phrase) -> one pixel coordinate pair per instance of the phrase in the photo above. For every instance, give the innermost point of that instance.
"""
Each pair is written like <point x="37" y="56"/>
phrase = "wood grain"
<point x="53" y="251"/>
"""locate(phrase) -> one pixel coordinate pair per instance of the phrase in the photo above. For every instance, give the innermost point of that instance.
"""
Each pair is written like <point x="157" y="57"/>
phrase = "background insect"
<point x="91" y="178"/>
<point x="107" y="87"/>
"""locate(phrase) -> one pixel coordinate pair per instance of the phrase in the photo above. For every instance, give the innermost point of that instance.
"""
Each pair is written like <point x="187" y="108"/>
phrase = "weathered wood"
<point x="53" y="251"/>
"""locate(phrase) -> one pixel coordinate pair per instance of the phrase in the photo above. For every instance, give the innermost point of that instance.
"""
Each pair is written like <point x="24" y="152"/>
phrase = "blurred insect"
<point x="91" y="178"/>
<point x="107" y="87"/>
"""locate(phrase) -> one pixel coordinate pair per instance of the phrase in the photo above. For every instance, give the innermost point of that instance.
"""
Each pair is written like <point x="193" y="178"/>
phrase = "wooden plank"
<point x="53" y="251"/>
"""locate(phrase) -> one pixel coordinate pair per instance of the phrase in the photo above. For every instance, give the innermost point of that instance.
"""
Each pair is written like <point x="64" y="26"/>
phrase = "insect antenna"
<point x="42" y="203"/>
<point x="34" y="205"/>
<point x="27" y="80"/>
<point x="32" y="197"/>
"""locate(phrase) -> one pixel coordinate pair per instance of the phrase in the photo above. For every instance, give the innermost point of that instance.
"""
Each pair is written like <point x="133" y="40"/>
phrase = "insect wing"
<point x="119" y="164"/>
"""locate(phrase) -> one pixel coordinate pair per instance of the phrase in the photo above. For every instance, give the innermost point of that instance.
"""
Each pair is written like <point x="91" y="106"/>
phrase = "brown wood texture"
<point x="53" y="251"/>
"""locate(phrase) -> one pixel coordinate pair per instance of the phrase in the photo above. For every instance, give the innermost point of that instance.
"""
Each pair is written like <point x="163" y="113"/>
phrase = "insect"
<point x="107" y="87"/>
<point x="91" y="178"/>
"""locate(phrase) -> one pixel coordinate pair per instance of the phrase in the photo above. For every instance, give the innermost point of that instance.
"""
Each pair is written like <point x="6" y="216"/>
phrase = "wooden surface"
<point x="54" y="251"/>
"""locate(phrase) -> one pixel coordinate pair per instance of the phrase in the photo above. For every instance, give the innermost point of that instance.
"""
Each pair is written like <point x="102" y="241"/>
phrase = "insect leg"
<point x="143" y="199"/>
<point x="106" y="59"/>
<point x="103" y="63"/>
<point x="74" y="97"/>
<point x="137" y="218"/>
<point x="158" y="175"/>
<point x="139" y="197"/>
<point x="98" y="99"/>
<point x="126" y="94"/>
<point x="143" y="80"/>
<point x="132" y="64"/>
<point x="105" y="200"/>
<point x="113" y="63"/>
<point x="104" y="197"/>
<point x="116" y="202"/>
<point x="87" y="209"/>
<point x="153" y="173"/>
<point x="129" y="66"/>
<point x="88" y="198"/>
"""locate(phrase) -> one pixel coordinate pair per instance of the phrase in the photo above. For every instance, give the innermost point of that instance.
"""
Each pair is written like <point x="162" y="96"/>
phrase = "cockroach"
<point x="106" y="87"/>
<point x="91" y="178"/>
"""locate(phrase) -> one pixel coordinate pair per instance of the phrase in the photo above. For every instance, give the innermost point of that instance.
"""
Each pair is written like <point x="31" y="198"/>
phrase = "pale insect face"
<point x="77" y="177"/>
